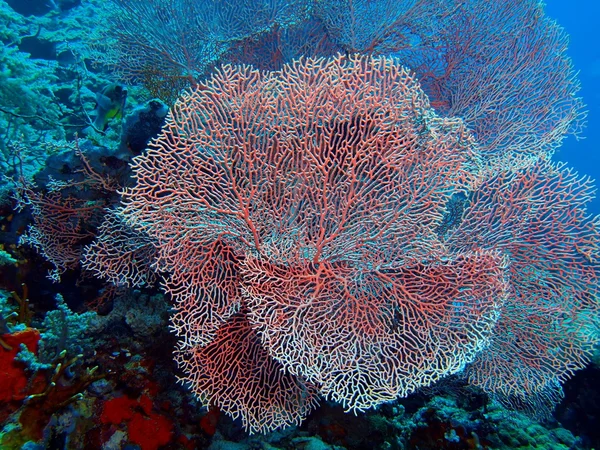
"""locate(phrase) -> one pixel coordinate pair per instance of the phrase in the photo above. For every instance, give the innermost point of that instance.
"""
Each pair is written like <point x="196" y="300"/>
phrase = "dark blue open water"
<point x="580" y="18"/>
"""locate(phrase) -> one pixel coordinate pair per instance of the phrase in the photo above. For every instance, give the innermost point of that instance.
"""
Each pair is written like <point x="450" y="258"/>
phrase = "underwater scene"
<point x="299" y="224"/>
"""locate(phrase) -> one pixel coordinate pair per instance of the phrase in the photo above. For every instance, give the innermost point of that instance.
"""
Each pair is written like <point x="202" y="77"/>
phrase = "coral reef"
<point x="229" y="224"/>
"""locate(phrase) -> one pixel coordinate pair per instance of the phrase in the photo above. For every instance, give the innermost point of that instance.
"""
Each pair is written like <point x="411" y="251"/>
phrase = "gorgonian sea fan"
<point x="500" y="65"/>
<point x="301" y="220"/>
<point x="308" y="200"/>
<point x="184" y="39"/>
<point x="550" y="321"/>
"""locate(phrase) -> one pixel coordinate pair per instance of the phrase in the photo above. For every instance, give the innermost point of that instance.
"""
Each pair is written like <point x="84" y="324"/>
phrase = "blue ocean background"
<point x="580" y="19"/>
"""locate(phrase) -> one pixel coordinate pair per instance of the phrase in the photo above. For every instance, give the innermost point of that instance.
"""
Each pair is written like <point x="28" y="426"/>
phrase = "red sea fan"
<point x="310" y="199"/>
<point x="549" y="324"/>
<point x="322" y="228"/>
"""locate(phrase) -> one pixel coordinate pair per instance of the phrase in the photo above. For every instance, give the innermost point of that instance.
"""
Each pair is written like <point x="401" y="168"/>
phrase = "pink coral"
<point x="321" y="230"/>
<point x="310" y="198"/>
<point x="549" y="324"/>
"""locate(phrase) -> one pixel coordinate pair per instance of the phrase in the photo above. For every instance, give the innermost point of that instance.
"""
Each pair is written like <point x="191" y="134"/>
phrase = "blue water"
<point x="580" y="18"/>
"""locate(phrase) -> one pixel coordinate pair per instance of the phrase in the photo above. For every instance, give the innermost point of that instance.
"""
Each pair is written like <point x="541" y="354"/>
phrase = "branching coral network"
<point x="302" y="223"/>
